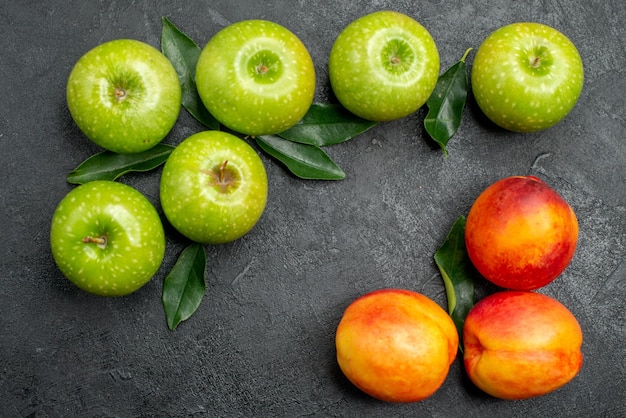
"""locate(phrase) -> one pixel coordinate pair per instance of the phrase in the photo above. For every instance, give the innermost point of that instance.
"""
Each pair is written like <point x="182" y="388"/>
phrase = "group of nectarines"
<point x="397" y="345"/>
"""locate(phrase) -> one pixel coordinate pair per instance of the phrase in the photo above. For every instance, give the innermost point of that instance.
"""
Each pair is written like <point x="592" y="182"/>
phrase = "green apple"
<point x="107" y="238"/>
<point x="256" y="77"/>
<point x="213" y="187"/>
<point x="383" y="66"/>
<point x="124" y="95"/>
<point x="527" y="76"/>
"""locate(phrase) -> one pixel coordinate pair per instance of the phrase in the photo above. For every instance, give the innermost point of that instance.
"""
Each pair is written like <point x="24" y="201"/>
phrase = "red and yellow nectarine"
<point x="396" y="345"/>
<point x="520" y="344"/>
<point x="520" y="234"/>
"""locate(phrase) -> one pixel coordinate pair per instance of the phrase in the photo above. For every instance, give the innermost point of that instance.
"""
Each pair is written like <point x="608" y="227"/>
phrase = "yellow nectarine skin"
<point x="520" y="234"/>
<point x="520" y="344"/>
<point x="396" y="345"/>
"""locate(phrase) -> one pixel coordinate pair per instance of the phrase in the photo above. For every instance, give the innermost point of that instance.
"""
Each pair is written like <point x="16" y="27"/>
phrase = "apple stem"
<point x="261" y="69"/>
<point x="222" y="178"/>
<point x="535" y="62"/>
<point x="120" y="94"/>
<point x="99" y="241"/>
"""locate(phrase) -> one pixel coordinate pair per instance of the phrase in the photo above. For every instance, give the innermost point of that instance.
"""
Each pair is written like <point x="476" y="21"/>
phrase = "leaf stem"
<point x="466" y="53"/>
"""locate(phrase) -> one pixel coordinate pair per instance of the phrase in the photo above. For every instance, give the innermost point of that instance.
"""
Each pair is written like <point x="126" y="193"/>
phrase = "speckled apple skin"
<point x="135" y="238"/>
<point x="152" y="98"/>
<point x="514" y="94"/>
<point x="362" y="76"/>
<point x="246" y="102"/>
<point x="201" y="211"/>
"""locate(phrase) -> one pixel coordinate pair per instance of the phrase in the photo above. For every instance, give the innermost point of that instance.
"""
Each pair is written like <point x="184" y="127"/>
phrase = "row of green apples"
<point x="257" y="78"/>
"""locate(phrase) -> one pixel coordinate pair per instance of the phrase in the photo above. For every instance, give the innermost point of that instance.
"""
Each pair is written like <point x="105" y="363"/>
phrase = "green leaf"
<point x="458" y="274"/>
<point x="183" y="53"/>
<point x="109" y="165"/>
<point x="446" y="103"/>
<point x="184" y="286"/>
<point x="305" y="161"/>
<point x="326" y="124"/>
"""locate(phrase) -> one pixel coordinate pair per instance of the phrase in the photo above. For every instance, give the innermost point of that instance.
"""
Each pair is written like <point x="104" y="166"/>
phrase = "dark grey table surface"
<point x="262" y="342"/>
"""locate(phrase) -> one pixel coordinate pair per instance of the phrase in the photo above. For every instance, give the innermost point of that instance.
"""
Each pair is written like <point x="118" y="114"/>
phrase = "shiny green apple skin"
<point x="256" y="77"/>
<point x="213" y="187"/>
<point x="527" y="76"/>
<point x="383" y="66"/>
<point x="124" y="95"/>
<point x="107" y="238"/>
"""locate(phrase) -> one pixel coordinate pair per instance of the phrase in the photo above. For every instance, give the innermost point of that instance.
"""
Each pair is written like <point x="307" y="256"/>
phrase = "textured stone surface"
<point x="261" y="343"/>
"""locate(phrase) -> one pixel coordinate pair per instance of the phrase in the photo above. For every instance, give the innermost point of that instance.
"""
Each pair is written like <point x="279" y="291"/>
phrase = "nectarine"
<point x="520" y="234"/>
<point x="396" y="345"/>
<point x="520" y="344"/>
